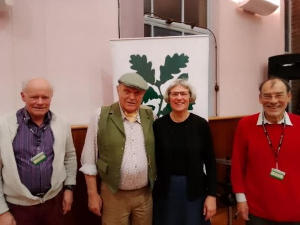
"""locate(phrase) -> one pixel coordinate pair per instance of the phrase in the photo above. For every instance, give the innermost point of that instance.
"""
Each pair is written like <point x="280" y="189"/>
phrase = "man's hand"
<point x="243" y="210"/>
<point x="95" y="203"/>
<point x="7" y="219"/>
<point x="94" y="199"/>
<point x="67" y="201"/>
<point x="210" y="207"/>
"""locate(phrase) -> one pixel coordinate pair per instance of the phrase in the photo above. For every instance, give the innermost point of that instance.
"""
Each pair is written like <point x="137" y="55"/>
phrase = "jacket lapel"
<point x="12" y="127"/>
<point x="116" y="117"/>
<point x="145" y="121"/>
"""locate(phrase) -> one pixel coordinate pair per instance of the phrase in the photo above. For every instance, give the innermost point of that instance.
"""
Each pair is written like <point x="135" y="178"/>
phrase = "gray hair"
<point x="273" y="80"/>
<point x="183" y="83"/>
<point x="26" y="82"/>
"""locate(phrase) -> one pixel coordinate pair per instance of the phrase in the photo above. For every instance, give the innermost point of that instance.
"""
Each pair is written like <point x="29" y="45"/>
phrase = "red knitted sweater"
<point x="252" y="160"/>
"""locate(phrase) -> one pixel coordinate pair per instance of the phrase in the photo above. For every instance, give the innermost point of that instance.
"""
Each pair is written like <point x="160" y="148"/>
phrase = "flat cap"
<point x="133" y="80"/>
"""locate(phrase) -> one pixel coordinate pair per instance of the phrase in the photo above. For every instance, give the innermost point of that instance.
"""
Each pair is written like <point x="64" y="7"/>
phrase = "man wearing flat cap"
<point x="119" y="147"/>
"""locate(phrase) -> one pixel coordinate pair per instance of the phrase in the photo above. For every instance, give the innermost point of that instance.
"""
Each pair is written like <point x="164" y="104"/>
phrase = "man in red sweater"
<point x="265" y="169"/>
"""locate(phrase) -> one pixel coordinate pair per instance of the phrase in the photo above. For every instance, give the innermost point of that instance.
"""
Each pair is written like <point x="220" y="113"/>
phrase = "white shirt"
<point x="285" y="116"/>
<point x="134" y="167"/>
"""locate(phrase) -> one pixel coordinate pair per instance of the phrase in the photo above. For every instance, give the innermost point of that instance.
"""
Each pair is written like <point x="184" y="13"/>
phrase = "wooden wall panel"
<point x="295" y="26"/>
<point x="295" y="47"/>
<point x="80" y="215"/>
<point x="222" y="131"/>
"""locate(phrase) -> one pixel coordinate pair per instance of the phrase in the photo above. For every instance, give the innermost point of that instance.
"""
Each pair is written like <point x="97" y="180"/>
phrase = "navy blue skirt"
<point x="176" y="209"/>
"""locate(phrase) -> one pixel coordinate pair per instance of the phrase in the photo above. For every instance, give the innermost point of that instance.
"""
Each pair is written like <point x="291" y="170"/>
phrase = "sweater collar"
<point x="286" y="116"/>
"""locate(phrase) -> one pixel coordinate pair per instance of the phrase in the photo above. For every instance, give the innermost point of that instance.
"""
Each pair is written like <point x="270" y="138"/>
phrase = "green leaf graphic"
<point x="142" y="67"/>
<point x="150" y="94"/>
<point x="152" y="106"/>
<point x="183" y="76"/>
<point x="191" y="106"/>
<point x="172" y="66"/>
<point x="166" y="110"/>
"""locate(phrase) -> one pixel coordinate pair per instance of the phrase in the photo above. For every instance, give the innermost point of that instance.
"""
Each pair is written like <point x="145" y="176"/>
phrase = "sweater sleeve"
<point x="89" y="153"/>
<point x="3" y="205"/>
<point x="70" y="160"/>
<point x="158" y="157"/>
<point x="210" y="163"/>
<point x="239" y="158"/>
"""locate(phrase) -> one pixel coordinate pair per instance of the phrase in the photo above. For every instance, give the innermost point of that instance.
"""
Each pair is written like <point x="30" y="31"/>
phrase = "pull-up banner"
<point x="161" y="60"/>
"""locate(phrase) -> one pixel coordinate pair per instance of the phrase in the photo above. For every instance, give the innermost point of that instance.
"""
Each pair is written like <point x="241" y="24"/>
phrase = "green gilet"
<point x="111" y="143"/>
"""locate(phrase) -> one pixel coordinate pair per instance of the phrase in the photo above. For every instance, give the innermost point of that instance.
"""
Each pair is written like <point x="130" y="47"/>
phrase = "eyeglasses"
<point x="278" y="96"/>
<point x="177" y="93"/>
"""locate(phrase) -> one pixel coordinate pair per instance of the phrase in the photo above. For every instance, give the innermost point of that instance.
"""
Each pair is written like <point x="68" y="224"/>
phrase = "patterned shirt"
<point x="134" y="167"/>
<point x="28" y="142"/>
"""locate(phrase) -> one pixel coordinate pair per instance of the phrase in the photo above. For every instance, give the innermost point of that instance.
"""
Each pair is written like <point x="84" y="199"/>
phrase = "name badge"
<point x="38" y="158"/>
<point x="277" y="174"/>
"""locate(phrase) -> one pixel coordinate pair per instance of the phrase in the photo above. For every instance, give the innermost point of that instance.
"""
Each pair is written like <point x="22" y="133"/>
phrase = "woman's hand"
<point x="210" y="207"/>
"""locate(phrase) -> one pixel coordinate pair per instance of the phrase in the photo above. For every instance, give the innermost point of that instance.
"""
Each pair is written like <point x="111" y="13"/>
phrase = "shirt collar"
<point x="286" y="116"/>
<point x="138" y="118"/>
<point x="25" y="116"/>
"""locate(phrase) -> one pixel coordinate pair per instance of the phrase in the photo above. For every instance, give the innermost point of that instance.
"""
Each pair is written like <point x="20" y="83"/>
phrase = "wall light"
<point x="260" y="7"/>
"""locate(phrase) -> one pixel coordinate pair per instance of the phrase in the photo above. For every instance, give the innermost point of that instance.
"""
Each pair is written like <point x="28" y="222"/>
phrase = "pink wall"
<point x="245" y="42"/>
<point x="68" y="43"/>
<point x="131" y="18"/>
<point x="7" y="95"/>
<point x="65" y="41"/>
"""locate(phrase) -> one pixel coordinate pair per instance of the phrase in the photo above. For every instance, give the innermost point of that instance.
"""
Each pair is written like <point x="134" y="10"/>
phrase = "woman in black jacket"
<point x="185" y="189"/>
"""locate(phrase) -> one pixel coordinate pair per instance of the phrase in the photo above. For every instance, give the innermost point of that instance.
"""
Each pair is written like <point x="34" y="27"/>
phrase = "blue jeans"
<point x="176" y="209"/>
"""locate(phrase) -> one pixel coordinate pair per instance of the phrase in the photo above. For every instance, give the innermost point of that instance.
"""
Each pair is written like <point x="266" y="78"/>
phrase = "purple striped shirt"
<point x="29" y="141"/>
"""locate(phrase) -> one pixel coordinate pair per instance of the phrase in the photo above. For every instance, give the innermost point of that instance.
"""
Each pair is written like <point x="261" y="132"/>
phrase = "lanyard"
<point x="276" y="151"/>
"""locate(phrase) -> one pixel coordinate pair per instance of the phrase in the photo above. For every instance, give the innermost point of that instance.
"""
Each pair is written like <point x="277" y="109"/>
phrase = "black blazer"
<point x="200" y="152"/>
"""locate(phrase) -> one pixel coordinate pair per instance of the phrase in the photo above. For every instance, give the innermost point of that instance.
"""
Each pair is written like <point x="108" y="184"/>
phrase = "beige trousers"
<point x="126" y="207"/>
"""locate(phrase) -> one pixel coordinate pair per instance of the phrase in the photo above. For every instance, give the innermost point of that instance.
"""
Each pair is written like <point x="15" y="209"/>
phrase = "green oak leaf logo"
<point x="169" y="71"/>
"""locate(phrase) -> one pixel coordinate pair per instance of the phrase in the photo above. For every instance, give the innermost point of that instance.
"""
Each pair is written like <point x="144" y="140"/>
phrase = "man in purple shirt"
<point x="37" y="161"/>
